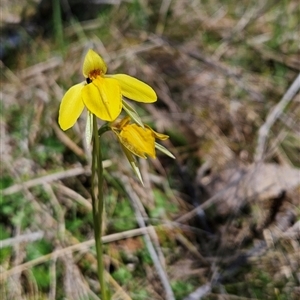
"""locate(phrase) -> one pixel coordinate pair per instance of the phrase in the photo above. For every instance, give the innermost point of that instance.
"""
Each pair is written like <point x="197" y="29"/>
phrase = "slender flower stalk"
<point x="98" y="203"/>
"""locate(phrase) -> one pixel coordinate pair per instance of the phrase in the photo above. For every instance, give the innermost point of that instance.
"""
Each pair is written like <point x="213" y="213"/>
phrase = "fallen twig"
<point x="160" y="270"/>
<point x="24" y="238"/>
<point x="44" y="179"/>
<point x="199" y="293"/>
<point x="73" y="195"/>
<point x="67" y="141"/>
<point x="76" y="247"/>
<point x="273" y="116"/>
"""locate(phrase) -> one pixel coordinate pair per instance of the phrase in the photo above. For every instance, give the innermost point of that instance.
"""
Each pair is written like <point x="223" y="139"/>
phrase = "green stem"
<point x="57" y="23"/>
<point x="98" y="205"/>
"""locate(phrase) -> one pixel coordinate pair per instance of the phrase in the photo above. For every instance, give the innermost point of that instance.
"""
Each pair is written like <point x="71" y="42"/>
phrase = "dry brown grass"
<point x="219" y="69"/>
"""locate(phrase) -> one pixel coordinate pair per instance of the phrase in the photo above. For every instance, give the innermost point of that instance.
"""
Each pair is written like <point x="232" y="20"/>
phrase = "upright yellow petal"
<point x="135" y="89"/>
<point x="103" y="98"/>
<point x="92" y="62"/>
<point x="71" y="107"/>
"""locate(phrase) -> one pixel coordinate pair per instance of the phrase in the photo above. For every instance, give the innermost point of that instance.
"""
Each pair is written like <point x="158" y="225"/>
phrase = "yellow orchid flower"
<point x="101" y="94"/>
<point x="138" y="140"/>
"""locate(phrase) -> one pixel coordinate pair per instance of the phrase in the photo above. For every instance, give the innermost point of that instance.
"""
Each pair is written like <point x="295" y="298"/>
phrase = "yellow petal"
<point x="138" y="140"/>
<point x="103" y="98"/>
<point x="92" y="62"/>
<point x="158" y="135"/>
<point x="71" y="107"/>
<point x="135" y="89"/>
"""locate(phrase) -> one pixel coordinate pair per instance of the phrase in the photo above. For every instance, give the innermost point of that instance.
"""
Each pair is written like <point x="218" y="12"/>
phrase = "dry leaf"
<point x="257" y="182"/>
